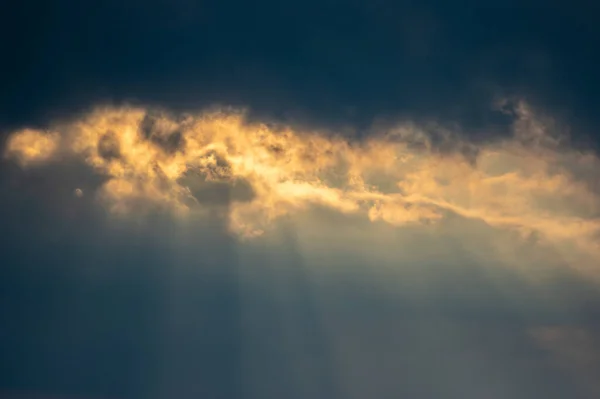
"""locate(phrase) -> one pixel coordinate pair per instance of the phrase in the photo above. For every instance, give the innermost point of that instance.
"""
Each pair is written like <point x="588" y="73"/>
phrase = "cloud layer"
<point x="532" y="183"/>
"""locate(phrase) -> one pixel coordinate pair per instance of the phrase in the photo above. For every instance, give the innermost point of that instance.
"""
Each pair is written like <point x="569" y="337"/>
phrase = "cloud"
<point x="394" y="235"/>
<point x="532" y="183"/>
<point x="31" y="146"/>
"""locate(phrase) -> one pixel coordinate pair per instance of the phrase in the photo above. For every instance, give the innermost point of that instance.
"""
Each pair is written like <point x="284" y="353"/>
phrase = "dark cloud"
<point x="168" y="139"/>
<point x="108" y="146"/>
<point x="332" y="63"/>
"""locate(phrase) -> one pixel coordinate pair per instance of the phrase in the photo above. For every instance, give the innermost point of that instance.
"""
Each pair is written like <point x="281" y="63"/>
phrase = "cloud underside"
<point x="532" y="183"/>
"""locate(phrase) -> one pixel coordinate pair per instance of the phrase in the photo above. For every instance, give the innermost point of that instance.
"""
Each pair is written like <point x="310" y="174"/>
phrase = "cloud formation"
<point x="532" y="183"/>
<point x="445" y="250"/>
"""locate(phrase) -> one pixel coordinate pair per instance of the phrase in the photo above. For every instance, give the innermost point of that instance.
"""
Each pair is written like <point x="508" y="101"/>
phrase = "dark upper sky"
<point x="311" y="61"/>
<point x="94" y="310"/>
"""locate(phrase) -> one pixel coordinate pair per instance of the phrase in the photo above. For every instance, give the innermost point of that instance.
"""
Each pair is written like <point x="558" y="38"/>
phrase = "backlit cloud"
<point x="32" y="146"/>
<point x="532" y="183"/>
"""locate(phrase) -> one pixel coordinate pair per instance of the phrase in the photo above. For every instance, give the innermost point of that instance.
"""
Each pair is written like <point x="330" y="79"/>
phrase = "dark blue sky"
<point x="97" y="310"/>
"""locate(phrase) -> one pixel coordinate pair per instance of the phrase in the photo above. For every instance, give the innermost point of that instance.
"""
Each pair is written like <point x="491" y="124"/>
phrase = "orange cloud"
<point x="530" y="182"/>
<point x="30" y="146"/>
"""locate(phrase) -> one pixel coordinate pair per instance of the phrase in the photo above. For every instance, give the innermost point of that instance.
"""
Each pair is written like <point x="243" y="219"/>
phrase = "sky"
<point x="299" y="200"/>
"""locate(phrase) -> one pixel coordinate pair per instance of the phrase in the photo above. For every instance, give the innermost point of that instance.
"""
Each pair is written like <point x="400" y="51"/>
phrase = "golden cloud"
<point x="531" y="182"/>
<point x="30" y="146"/>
